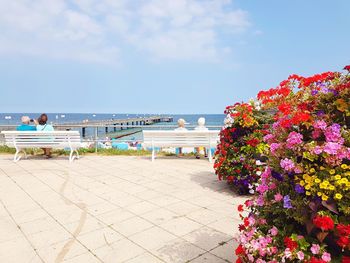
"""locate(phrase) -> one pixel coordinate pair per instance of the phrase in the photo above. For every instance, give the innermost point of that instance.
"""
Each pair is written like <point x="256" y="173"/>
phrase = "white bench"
<point x="43" y="139"/>
<point x="173" y="138"/>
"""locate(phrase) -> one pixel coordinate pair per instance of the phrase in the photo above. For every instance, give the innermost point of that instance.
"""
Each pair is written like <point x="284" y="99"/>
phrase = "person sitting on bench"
<point x="181" y="123"/>
<point x="41" y="125"/>
<point x="25" y="126"/>
<point x="201" y="127"/>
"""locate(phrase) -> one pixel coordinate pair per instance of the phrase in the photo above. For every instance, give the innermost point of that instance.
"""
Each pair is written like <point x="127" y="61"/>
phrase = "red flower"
<point x="294" y="76"/>
<point x="343" y="241"/>
<point x="238" y="260"/>
<point x="286" y="123"/>
<point x="284" y="92"/>
<point x="323" y="222"/>
<point x="300" y="117"/>
<point x="240" y="208"/>
<point x="285" y="108"/>
<point x="316" y="260"/>
<point x="253" y="142"/>
<point x="241" y="227"/>
<point x="347" y="67"/>
<point x="290" y="243"/>
<point x="345" y="259"/>
<point x="246" y="221"/>
<point x="343" y="230"/>
<point x="240" y="250"/>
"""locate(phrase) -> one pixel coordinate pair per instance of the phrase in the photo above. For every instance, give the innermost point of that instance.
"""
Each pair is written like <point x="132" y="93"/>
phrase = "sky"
<point x="161" y="56"/>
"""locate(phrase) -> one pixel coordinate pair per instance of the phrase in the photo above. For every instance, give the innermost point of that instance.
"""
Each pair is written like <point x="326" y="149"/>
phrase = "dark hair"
<point x="42" y="119"/>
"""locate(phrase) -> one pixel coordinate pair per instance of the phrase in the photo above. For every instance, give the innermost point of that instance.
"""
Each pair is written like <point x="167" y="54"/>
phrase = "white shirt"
<point x="181" y="129"/>
<point x="201" y="128"/>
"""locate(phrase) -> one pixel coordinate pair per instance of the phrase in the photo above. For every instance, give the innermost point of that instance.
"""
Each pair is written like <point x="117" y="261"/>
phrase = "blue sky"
<point x="161" y="56"/>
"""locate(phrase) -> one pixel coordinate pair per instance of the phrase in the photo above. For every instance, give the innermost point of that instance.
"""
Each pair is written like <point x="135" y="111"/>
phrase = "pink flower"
<point x="260" y="201"/>
<point x="250" y="258"/>
<point x="300" y="255"/>
<point x="332" y="133"/>
<point x="320" y="125"/>
<point x="251" y="220"/>
<point x="278" y="197"/>
<point x="298" y="170"/>
<point x="272" y="186"/>
<point x="315" y="134"/>
<point x="331" y="147"/>
<point x="268" y="137"/>
<point x="315" y="249"/>
<point x="287" y="253"/>
<point x="274" y="147"/>
<point x="317" y="150"/>
<point x="326" y="257"/>
<point x="273" y="231"/>
<point x="294" y="138"/>
<point x="262" y="188"/>
<point x="287" y="164"/>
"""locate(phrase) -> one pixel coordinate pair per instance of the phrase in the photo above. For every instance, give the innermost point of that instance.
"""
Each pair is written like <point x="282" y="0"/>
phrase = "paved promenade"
<point x="115" y="209"/>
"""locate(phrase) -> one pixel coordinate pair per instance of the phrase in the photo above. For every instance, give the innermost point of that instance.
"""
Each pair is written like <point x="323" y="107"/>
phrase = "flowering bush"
<point x="239" y="154"/>
<point x="301" y="212"/>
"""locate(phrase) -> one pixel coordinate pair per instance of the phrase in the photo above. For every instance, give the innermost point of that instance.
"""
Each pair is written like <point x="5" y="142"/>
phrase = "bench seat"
<point x="43" y="139"/>
<point x="166" y="138"/>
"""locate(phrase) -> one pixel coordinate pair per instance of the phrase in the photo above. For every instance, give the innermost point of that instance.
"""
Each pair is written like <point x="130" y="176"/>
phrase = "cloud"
<point x="97" y="30"/>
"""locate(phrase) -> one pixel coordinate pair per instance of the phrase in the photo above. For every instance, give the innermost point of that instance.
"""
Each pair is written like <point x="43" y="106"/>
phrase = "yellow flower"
<point x="323" y="186"/>
<point x="331" y="187"/>
<point x="338" y="196"/>
<point x="344" y="166"/>
<point x="312" y="170"/>
<point x="324" y="197"/>
<point x="344" y="181"/>
<point x="302" y="183"/>
<point x="332" y="171"/>
<point x="308" y="193"/>
<point x="326" y="182"/>
<point x="306" y="176"/>
<point x="337" y="177"/>
<point x="322" y="168"/>
<point x="319" y="193"/>
<point x="317" y="181"/>
<point x="307" y="187"/>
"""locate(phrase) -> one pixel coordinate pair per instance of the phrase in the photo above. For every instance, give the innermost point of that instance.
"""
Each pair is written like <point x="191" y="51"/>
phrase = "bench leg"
<point x="209" y="155"/>
<point x="17" y="156"/>
<point x="76" y="151"/>
<point x="72" y="156"/>
<point x="153" y="155"/>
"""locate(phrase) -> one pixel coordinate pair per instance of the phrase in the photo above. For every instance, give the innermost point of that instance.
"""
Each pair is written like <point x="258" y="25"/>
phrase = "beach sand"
<point x="115" y="209"/>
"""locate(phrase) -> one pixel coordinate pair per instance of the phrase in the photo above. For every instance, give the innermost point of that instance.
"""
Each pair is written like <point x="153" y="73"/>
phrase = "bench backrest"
<point x="49" y="139"/>
<point x="181" y="138"/>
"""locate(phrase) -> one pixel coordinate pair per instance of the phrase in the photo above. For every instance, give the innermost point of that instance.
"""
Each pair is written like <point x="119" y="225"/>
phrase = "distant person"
<point x="181" y="127"/>
<point x="25" y="126"/>
<point x="41" y="125"/>
<point x="201" y="127"/>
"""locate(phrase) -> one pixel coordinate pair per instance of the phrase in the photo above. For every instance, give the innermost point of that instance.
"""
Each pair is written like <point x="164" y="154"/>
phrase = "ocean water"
<point x="191" y="120"/>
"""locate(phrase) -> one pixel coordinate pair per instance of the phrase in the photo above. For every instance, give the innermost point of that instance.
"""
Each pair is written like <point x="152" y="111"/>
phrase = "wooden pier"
<point x="114" y="123"/>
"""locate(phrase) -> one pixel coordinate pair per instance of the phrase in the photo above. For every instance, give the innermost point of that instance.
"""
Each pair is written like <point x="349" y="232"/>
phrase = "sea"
<point x="214" y="121"/>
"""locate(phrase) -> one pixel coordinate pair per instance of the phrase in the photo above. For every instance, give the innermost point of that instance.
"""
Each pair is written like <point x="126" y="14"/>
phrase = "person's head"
<point x="181" y="122"/>
<point x="25" y="119"/>
<point x="42" y="119"/>
<point x="201" y="121"/>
